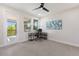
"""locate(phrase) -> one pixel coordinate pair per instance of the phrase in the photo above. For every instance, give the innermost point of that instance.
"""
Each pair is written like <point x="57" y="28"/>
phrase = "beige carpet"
<point x="39" y="48"/>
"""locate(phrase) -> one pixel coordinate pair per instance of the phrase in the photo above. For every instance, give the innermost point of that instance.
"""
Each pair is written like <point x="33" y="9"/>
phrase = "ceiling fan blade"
<point x="45" y="9"/>
<point x="37" y="8"/>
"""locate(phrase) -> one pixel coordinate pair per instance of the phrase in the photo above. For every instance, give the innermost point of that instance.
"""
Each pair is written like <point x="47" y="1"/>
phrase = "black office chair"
<point x="39" y="34"/>
<point x="39" y="30"/>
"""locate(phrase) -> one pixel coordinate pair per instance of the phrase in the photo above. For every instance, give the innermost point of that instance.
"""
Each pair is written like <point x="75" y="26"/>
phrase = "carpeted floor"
<point x="39" y="48"/>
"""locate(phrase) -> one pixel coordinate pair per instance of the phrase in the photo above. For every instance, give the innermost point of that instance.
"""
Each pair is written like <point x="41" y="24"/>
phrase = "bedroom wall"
<point x="70" y="27"/>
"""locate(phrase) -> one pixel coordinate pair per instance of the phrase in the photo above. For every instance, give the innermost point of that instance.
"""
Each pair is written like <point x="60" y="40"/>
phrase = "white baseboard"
<point x="67" y="43"/>
<point x="13" y="43"/>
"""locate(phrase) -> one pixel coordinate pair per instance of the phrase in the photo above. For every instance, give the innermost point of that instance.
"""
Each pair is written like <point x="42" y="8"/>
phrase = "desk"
<point x="37" y="36"/>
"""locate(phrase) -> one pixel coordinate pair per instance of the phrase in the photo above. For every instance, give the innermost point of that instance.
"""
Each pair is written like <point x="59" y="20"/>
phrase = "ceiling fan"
<point x="42" y="6"/>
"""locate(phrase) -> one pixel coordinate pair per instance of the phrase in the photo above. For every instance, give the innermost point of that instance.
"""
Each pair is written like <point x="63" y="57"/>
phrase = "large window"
<point x="54" y="24"/>
<point x="11" y="28"/>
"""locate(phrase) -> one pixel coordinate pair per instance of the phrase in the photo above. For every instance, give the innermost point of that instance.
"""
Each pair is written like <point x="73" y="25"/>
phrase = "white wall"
<point x="19" y="17"/>
<point x="70" y="30"/>
<point x="1" y="27"/>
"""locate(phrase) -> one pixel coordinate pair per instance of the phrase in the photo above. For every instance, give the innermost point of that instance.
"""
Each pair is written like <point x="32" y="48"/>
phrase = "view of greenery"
<point x="11" y="29"/>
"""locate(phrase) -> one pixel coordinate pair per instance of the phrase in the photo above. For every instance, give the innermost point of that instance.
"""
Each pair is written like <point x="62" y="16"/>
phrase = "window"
<point x="11" y="28"/>
<point x="54" y="24"/>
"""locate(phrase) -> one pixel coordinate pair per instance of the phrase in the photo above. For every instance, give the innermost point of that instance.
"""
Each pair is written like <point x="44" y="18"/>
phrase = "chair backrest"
<point x="39" y="30"/>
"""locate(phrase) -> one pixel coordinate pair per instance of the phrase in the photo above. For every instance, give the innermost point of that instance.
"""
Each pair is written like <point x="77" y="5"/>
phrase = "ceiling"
<point x="53" y="7"/>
